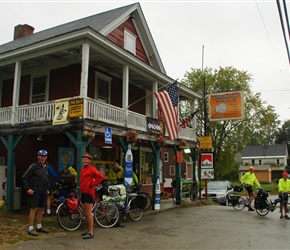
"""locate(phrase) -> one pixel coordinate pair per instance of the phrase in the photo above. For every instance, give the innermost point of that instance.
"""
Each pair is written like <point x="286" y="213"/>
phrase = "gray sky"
<point x="244" y="34"/>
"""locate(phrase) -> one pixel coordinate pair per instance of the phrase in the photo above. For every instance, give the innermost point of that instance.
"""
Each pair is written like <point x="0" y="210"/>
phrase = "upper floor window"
<point x="260" y="162"/>
<point x="130" y="41"/>
<point x="38" y="89"/>
<point x="278" y="161"/>
<point x="253" y="162"/>
<point x="166" y="157"/>
<point x="102" y="89"/>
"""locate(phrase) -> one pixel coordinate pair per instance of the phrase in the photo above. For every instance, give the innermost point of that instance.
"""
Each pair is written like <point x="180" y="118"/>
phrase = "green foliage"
<point x="259" y="127"/>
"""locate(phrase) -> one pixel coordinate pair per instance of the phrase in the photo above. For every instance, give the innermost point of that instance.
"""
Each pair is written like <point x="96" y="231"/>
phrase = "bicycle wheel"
<point x="68" y="220"/>
<point x="262" y="211"/>
<point x="149" y="200"/>
<point x="240" y="205"/>
<point x="193" y="192"/>
<point x="174" y="195"/>
<point x="106" y="214"/>
<point x="134" y="213"/>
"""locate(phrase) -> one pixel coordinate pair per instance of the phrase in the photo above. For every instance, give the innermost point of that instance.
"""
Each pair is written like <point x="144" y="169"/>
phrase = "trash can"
<point x="17" y="198"/>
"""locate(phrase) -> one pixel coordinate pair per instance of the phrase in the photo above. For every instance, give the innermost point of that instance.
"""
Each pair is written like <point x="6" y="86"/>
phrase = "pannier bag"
<point x="73" y="203"/>
<point x="260" y="202"/>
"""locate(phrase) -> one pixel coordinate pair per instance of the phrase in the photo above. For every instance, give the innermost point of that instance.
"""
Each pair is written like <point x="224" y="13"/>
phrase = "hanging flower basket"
<point x="182" y="143"/>
<point x="132" y="136"/>
<point x="160" y="141"/>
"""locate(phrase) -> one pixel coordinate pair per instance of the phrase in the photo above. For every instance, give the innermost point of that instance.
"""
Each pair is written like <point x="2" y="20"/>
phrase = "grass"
<point x="14" y="227"/>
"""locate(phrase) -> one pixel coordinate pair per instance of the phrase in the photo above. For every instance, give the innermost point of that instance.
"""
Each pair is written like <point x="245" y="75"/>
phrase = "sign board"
<point x="207" y="173"/>
<point x="76" y="107"/>
<point x="206" y="160"/>
<point x="226" y="106"/>
<point x="155" y="126"/>
<point x="205" y="142"/>
<point x="60" y="112"/>
<point x="108" y="135"/>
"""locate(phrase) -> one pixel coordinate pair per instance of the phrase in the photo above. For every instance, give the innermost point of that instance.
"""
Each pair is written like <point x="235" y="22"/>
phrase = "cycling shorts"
<point x="87" y="198"/>
<point x="249" y="189"/>
<point x="283" y="197"/>
<point x="38" y="200"/>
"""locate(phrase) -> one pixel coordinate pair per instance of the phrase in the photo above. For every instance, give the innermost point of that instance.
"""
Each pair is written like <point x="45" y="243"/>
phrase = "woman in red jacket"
<point x="90" y="177"/>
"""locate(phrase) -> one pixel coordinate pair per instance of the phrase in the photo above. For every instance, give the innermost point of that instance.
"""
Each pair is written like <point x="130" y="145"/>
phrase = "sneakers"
<point x="286" y="217"/>
<point x="88" y="236"/>
<point x="41" y="230"/>
<point x="251" y="209"/>
<point x="32" y="232"/>
<point x="83" y="234"/>
<point x="281" y="217"/>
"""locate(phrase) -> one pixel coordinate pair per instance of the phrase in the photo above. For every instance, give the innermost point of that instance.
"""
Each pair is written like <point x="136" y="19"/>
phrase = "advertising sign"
<point x="207" y="173"/>
<point x="206" y="160"/>
<point x="76" y="108"/>
<point x="155" y="126"/>
<point x="205" y="142"/>
<point x="60" y="112"/>
<point x="226" y="106"/>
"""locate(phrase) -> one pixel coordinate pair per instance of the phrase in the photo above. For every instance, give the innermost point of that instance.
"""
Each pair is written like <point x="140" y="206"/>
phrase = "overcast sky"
<point x="246" y="35"/>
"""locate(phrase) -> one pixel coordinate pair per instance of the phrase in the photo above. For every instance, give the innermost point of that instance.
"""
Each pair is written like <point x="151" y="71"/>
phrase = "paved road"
<point x="206" y="227"/>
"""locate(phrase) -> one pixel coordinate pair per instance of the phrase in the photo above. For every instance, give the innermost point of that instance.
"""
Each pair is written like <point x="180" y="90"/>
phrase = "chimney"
<point x="22" y="30"/>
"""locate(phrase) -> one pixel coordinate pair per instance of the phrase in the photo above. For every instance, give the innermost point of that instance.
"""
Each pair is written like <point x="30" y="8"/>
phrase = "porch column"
<point x="125" y="95"/>
<point x="154" y="101"/>
<point x="156" y="170"/>
<point x="16" y="88"/>
<point x="85" y="71"/>
<point x="81" y="143"/>
<point x="11" y="145"/>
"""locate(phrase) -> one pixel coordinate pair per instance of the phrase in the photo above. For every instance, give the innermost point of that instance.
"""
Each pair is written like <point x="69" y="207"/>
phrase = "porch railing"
<point x="94" y="110"/>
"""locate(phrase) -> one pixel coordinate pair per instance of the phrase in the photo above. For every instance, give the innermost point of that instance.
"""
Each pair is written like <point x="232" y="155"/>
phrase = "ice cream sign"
<point x="206" y="160"/>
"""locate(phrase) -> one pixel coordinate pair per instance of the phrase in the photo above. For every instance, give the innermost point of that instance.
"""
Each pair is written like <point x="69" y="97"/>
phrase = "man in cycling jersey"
<point x="90" y="177"/>
<point x="283" y="190"/>
<point x="248" y="180"/>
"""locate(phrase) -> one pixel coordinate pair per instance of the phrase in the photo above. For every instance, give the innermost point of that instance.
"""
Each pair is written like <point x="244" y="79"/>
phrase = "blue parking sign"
<point x="108" y="135"/>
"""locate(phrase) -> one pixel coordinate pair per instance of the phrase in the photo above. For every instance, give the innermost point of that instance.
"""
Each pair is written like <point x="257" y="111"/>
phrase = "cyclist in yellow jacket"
<point x="116" y="173"/>
<point x="283" y="189"/>
<point x="248" y="180"/>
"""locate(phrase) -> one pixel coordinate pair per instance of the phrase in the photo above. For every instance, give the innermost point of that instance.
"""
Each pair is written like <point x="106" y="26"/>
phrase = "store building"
<point x="80" y="87"/>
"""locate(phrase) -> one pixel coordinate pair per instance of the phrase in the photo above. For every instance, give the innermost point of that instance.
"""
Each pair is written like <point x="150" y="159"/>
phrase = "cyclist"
<point x="283" y="189"/>
<point x="90" y="177"/>
<point x="116" y="173"/>
<point x="248" y="180"/>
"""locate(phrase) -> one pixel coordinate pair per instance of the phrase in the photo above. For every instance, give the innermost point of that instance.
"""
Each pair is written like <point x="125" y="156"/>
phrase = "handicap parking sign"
<point x="108" y="135"/>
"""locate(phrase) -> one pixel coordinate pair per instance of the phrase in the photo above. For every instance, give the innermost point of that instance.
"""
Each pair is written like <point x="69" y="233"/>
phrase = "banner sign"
<point x="179" y="156"/>
<point x="155" y="126"/>
<point x="226" y="106"/>
<point x="76" y="107"/>
<point x="60" y="112"/>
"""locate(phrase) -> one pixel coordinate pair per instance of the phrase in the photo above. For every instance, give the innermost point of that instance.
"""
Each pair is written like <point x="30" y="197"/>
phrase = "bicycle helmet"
<point x="285" y="174"/>
<point x="42" y="152"/>
<point x="251" y="168"/>
<point x="86" y="155"/>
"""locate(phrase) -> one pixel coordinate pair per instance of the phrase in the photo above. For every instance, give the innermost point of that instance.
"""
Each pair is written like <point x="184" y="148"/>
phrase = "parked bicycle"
<point x="187" y="190"/>
<point x="70" y="216"/>
<point x="133" y="206"/>
<point x="136" y="189"/>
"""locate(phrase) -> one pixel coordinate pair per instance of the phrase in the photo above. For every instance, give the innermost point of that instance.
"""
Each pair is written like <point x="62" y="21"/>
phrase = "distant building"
<point x="269" y="161"/>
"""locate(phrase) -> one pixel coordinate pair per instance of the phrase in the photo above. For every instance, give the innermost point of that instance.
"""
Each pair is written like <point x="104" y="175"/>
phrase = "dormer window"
<point x="129" y="41"/>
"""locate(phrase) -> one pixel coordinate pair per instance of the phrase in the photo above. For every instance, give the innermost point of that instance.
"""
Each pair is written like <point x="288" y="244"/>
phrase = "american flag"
<point x="186" y="121"/>
<point x="167" y="102"/>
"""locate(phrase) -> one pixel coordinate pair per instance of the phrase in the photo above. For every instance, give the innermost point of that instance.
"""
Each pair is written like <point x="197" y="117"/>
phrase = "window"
<point x="260" y="162"/>
<point x="253" y="162"/>
<point x="129" y="42"/>
<point x="166" y="157"/>
<point x="172" y="170"/>
<point x="278" y="161"/>
<point x="103" y="85"/>
<point x="38" y="89"/>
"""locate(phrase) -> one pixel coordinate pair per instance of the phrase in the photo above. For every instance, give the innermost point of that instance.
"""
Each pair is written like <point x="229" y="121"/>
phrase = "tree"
<point x="230" y="136"/>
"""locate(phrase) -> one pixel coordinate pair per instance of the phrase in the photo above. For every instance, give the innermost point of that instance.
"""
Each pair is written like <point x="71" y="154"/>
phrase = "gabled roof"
<point x="102" y="23"/>
<point x="265" y="151"/>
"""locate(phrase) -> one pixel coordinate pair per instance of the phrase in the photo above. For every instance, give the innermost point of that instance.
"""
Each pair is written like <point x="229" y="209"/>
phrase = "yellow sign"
<point x="226" y="106"/>
<point x="60" y="112"/>
<point x="76" y="107"/>
<point x="205" y="142"/>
